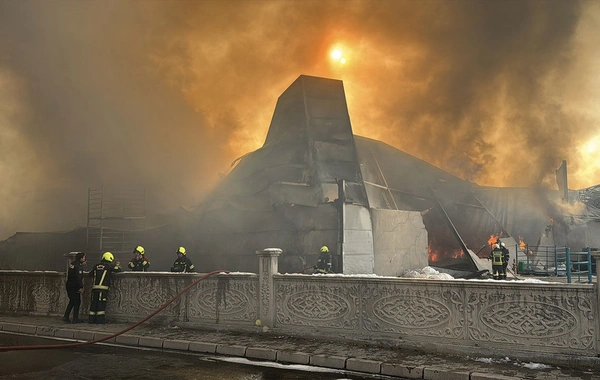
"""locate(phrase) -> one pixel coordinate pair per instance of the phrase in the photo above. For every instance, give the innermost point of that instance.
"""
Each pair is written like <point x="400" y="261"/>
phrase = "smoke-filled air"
<point x="166" y="94"/>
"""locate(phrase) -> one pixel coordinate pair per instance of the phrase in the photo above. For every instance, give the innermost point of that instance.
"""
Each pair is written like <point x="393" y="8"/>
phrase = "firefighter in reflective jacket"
<point x="182" y="263"/>
<point x="498" y="256"/>
<point x="324" y="261"/>
<point x="102" y="273"/>
<point x="139" y="263"/>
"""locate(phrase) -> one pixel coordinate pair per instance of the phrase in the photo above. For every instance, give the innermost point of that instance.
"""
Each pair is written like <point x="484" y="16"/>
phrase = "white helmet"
<point x="496" y="246"/>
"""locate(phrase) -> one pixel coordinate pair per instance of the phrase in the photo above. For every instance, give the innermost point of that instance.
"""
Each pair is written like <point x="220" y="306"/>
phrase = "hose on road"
<point x="79" y="344"/>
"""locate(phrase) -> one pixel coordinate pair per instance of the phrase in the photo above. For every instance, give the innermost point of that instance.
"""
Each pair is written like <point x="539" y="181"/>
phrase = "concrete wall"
<point x="400" y="241"/>
<point x="516" y="319"/>
<point x="357" y="248"/>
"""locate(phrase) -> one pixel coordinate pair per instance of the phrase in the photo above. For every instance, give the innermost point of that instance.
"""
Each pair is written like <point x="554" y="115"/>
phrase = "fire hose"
<point x="79" y="344"/>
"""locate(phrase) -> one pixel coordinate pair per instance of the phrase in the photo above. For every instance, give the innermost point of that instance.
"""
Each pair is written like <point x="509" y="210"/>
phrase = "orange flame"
<point x="522" y="244"/>
<point x="457" y="253"/>
<point x="493" y="239"/>
<point x="432" y="255"/>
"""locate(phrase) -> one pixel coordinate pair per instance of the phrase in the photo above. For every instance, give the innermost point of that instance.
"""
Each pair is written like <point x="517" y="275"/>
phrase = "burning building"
<point x="378" y="209"/>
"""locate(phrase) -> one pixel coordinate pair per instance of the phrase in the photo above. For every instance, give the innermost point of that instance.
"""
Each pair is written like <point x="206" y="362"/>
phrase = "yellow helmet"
<point x="107" y="256"/>
<point x="324" y="249"/>
<point x="139" y="249"/>
<point x="181" y="250"/>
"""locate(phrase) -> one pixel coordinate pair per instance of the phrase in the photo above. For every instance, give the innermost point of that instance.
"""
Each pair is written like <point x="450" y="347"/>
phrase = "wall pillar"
<point x="267" y="267"/>
<point x="596" y="255"/>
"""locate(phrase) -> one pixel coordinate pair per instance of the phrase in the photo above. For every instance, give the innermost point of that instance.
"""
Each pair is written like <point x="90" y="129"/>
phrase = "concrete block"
<point x="209" y="348"/>
<point x="363" y="365"/>
<point x="64" y="333"/>
<point x="129" y="340"/>
<point x="261" y="353"/>
<point x="150" y="342"/>
<point x="182" y="345"/>
<point x="28" y="329"/>
<point x="83" y="335"/>
<point x="401" y="370"/>
<point x="11" y="327"/>
<point x="45" y="331"/>
<point x="293" y="357"/>
<point x="231" y="350"/>
<point x="442" y="374"/>
<point x="103" y="335"/>
<point x="490" y="376"/>
<point x="336" y="362"/>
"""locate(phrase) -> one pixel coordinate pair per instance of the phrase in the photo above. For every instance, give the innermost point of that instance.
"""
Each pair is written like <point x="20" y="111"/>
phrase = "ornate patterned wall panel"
<point x="311" y="302"/>
<point x="413" y="309"/>
<point x="136" y="295"/>
<point x="549" y="318"/>
<point x="534" y="316"/>
<point x="32" y="292"/>
<point x="222" y="299"/>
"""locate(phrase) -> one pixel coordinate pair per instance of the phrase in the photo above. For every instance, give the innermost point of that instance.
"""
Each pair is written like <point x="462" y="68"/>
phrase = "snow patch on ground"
<point x="529" y="365"/>
<point x="296" y="367"/>
<point x="536" y="366"/>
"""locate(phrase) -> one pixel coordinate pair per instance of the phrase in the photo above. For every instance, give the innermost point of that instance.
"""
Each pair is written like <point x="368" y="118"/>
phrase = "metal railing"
<point x="555" y="261"/>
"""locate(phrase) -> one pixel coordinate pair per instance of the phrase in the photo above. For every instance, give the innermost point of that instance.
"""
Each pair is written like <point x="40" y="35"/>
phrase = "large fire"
<point x="435" y="256"/>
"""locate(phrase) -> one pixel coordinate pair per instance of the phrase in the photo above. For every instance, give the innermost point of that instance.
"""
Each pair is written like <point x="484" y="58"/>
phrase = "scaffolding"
<point x="115" y="215"/>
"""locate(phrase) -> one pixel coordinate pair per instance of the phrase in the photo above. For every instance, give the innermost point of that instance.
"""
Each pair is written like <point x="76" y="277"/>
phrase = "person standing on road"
<point x="139" y="263"/>
<point x="182" y="263"/>
<point x="102" y="275"/>
<point x="74" y="287"/>
<point x="498" y="268"/>
<point x="324" y="261"/>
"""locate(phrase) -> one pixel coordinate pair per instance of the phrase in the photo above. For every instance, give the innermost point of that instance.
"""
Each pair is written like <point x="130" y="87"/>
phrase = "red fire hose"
<point x="78" y="344"/>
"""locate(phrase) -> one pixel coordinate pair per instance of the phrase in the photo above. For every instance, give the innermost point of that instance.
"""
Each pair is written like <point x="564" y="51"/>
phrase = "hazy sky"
<point x="166" y="94"/>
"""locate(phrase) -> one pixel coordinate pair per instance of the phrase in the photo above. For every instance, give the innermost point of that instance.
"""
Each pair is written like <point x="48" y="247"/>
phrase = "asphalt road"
<point x="110" y="362"/>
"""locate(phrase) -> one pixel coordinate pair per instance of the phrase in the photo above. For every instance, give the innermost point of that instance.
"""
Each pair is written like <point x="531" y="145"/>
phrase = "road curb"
<point x="359" y="365"/>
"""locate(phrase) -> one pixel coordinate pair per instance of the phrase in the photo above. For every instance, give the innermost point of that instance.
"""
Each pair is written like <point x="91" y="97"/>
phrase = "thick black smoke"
<point x="165" y="94"/>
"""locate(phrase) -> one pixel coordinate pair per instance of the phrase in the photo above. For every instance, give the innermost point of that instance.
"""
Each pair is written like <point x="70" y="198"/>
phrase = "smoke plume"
<point x="166" y="94"/>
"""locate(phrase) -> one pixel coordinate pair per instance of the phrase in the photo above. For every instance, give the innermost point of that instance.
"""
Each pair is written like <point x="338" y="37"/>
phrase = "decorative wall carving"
<point x="224" y="299"/>
<point x="310" y="303"/>
<point x="411" y="311"/>
<point x="551" y="318"/>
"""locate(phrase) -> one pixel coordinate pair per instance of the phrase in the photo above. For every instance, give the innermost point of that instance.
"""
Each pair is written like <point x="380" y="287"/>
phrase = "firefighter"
<point x="324" y="261"/>
<point x="74" y="287"/>
<point x="506" y="257"/>
<point x="102" y="274"/>
<point x="498" y="268"/>
<point x="139" y="263"/>
<point x="182" y="263"/>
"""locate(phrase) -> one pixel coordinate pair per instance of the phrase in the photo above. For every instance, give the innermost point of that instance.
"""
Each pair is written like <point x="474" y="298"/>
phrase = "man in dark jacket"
<point x="139" y="263"/>
<point x="182" y="263"/>
<point x="102" y="274"/>
<point x="75" y="287"/>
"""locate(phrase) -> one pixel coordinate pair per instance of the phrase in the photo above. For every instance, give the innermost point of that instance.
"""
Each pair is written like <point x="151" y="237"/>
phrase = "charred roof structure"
<point x="379" y="210"/>
<point x="315" y="183"/>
